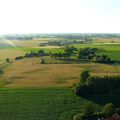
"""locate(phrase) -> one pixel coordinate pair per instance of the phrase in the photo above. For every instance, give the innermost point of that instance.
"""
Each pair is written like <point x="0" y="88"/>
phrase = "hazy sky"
<point x="59" y="16"/>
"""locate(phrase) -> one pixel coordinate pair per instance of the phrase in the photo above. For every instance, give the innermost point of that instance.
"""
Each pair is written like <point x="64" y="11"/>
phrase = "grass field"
<point x="30" y="73"/>
<point x="5" y="53"/>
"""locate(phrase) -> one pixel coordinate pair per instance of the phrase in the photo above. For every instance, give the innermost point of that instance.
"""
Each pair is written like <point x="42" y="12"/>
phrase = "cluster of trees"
<point x="87" y="53"/>
<point x="97" y="85"/>
<point x="90" y="54"/>
<point x="72" y="52"/>
<point x="61" y="55"/>
<point x="108" y="112"/>
<point x="103" y="59"/>
<point x="40" y="53"/>
<point x="68" y="52"/>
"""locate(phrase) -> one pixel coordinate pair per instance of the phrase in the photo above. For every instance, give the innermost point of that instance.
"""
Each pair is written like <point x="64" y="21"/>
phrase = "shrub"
<point x="117" y="110"/>
<point x="108" y="109"/>
<point x="84" y="75"/>
<point x="1" y="72"/>
<point x="88" y="109"/>
<point x="7" y="60"/>
<point x="42" y="61"/>
<point x="79" y="117"/>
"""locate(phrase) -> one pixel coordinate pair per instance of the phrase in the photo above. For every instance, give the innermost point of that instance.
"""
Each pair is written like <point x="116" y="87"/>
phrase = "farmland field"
<point x="30" y="73"/>
<point x="30" y="90"/>
<point x="42" y="104"/>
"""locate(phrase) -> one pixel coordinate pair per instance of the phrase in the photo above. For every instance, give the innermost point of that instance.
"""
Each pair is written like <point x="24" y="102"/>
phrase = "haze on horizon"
<point x="59" y="16"/>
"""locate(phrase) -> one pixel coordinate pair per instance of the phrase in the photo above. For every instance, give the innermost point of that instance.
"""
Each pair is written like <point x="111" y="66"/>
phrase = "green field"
<point x="38" y="104"/>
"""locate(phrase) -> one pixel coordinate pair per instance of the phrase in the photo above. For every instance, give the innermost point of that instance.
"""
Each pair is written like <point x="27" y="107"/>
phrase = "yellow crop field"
<point x="30" y="73"/>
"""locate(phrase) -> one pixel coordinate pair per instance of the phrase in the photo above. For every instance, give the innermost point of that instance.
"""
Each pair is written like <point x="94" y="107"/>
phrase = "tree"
<point x="41" y="51"/>
<point x="108" y="109"/>
<point x="7" y="60"/>
<point x="1" y="71"/>
<point x="117" y="110"/>
<point x="84" y="75"/>
<point x="108" y="60"/>
<point x="42" y="61"/>
<point x="70" y="49"/>
<point x="88" y="109"/>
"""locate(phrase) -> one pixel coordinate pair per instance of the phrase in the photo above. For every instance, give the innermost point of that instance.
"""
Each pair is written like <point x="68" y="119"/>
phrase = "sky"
<point x="59" y="16"/>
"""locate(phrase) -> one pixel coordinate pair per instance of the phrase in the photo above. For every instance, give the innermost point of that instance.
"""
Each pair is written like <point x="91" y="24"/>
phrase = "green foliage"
<point x="84" y="75"/>
<point x="1" y="71"/>
<point x="78" y="117"/>
<point x="70" y="49"/>
<point x="41" y="51"/>
<point x="108" y="109"/>
<point x="87" y="53"/>
<point x="7" y="60"/>
<point x="117" y="110"/>
<point x="88" y="109"/>
<point x="42" y="61"/>
<point x="99" y="85"/>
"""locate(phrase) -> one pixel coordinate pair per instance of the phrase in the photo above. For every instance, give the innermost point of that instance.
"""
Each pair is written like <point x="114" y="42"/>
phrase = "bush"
<point x="42" y="61"/>
<point x="88" y="109"/>
<point x="19" y="58"/>
<point x="108" y="109"/>
<point x="84" y="75"/>
<point x="79" y="117"/>
<point x="7" y="60"/>
<point x="117" y="110"/>
<point x="1" y="72"/>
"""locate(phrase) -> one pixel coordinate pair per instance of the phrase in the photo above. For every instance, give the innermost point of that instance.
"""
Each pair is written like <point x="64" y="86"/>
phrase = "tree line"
<point x="108" y="112"/>
<point x="71" y="52"/>
<point x="97" y="85"/>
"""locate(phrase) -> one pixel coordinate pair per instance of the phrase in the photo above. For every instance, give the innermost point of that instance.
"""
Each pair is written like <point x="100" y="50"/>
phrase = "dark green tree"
<point x="1" y="71"/>
<point x="42" y="61"/>
<point x="84" y="75"/>
<point x="7" y="60"/>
